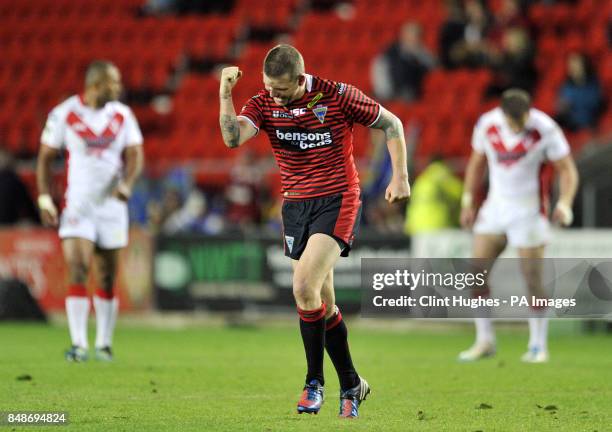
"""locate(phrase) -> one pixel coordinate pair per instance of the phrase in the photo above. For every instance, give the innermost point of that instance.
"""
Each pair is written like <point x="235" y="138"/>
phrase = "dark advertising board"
<point x="236" y="272"/>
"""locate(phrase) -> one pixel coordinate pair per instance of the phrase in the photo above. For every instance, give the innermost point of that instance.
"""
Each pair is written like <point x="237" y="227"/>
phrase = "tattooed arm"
<point x="398" y="188"/>
<point x="235" y="131"/>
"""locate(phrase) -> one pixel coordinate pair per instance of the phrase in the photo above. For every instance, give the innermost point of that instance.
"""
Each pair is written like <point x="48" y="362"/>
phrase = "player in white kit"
<point x="515" y="140"/>
<point x="98" y="133"/>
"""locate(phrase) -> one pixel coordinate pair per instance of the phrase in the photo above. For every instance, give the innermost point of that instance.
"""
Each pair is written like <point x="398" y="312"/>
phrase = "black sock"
<point x="312" y="327"/>
<point x="336" y="343"/>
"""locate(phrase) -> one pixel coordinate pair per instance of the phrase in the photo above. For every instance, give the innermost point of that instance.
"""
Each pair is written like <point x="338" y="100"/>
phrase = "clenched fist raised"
<point x="229" y="78"/>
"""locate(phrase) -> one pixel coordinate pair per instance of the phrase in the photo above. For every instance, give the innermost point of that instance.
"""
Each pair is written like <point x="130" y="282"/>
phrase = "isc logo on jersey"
<point x="296" y="112"/>
<point x="304" y="139"/>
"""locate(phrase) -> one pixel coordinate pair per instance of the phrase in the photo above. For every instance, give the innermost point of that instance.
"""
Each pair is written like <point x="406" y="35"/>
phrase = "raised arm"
<point x="398" y="188"/>
<point x="473" y="175"/>
<point x="568" y="185"/>
<point x="235" y="131"/>
<point x="48" y="211"/>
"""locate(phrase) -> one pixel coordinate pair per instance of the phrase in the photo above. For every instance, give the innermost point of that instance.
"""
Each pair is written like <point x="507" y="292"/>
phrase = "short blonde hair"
<point x="283" y="59"/>
<point x="96" y="71"/>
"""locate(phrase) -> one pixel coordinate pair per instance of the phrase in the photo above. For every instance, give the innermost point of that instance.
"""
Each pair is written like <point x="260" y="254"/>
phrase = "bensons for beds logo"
<point x="300" y="139"/>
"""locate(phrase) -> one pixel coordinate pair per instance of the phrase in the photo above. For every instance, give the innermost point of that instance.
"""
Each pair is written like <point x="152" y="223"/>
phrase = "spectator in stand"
<point x="15" y="201"/>
<point x="383" y="218"/>
<point x="181" y="208"/>
<point x="399" y="71"/>
<point x="158" y="7"/>
<point x="243" y="193"/>
<point x="580" y="97"/>
<point x="183" y="7"/>
<point x="175" y="214"/>
<point x="511" y="15"/>
<point x="451" y="32"/>
<point x="435" y="203"/>
<point x="471" y="49"/>
<point x="514" y="66"/>
<point x="272" y="215"/>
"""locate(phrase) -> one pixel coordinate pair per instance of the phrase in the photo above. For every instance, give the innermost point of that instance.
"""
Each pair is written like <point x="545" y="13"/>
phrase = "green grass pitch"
<point x="212" y="378"/>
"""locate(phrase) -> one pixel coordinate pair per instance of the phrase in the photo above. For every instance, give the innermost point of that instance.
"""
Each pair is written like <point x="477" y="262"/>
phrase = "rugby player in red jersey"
<point x="309" y="121"/>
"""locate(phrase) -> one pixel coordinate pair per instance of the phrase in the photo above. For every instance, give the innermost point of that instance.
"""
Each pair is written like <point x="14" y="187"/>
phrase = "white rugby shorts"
<point x="105" y="223"/>
<point x="521" y="221"/>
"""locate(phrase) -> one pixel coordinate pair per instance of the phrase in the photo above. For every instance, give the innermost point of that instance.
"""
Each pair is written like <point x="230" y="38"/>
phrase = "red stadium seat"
<point x="560" y="15"/>
<point x="605" y="125"/>
<point x="46" y="44"/>
<point x="545" y="99"/>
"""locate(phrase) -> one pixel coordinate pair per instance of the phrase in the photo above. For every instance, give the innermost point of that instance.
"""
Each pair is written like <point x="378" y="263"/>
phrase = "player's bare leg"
<point x="328" y="294"/>
<point x="105" y="302"/>
<point x="353" y="388"/>
<point x="309" y="274"/>
<point x="311" y="270"/>
<point x="531" y="266"/>
<point x="486" y="247"/>
<point x="77" y="255"/>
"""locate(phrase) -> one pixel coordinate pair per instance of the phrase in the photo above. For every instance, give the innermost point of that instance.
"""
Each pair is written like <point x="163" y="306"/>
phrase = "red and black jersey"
<point x="312" y="138"/>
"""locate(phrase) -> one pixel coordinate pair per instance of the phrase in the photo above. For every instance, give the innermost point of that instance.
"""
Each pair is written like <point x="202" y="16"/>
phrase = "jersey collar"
<point x="308" y="82"/>
<point x="81" y="99"/>
<point x="306" y="93"/>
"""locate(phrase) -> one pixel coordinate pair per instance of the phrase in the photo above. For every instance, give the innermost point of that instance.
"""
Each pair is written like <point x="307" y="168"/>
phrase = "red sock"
<point x="103" y="294"/>
<point x="77" y="290"/>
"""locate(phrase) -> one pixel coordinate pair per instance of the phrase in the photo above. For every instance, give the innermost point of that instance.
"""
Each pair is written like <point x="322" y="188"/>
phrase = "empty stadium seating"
<point x="46" y="45"/>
